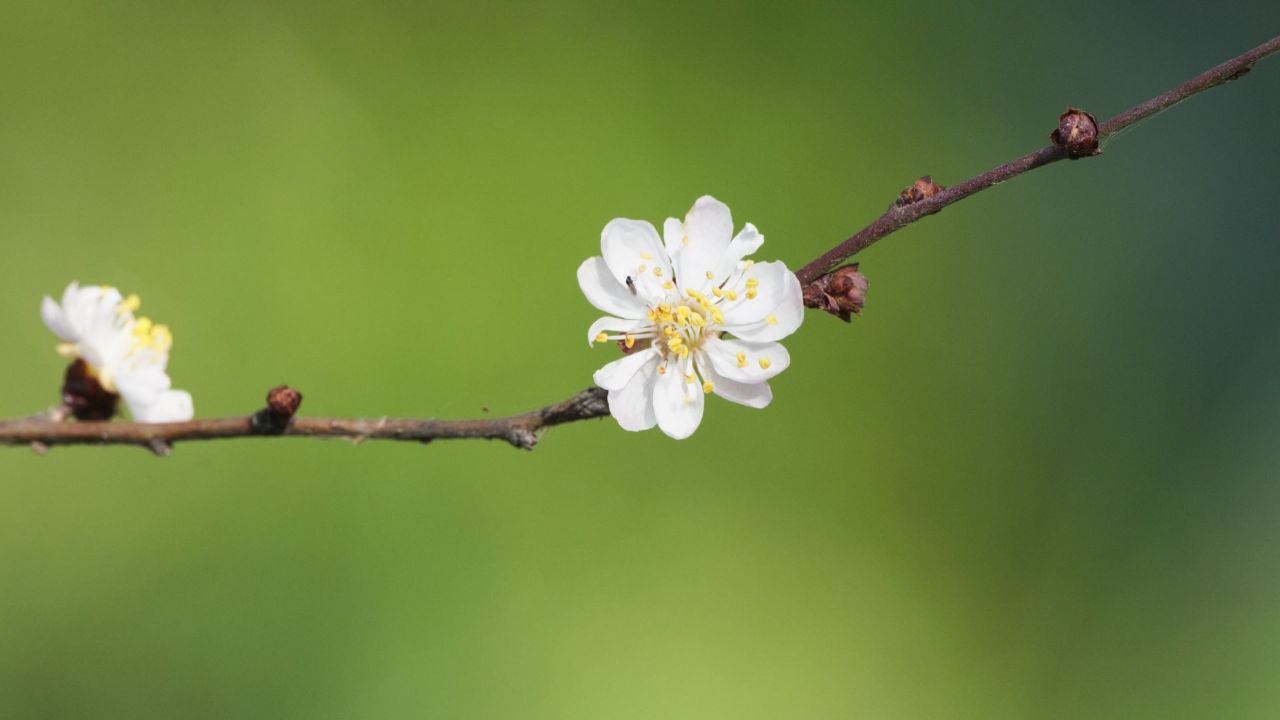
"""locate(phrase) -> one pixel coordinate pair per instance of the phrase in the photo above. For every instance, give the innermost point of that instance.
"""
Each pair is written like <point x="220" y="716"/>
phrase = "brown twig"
<point x="896" y="218"/>
<point x="523" y="431"/>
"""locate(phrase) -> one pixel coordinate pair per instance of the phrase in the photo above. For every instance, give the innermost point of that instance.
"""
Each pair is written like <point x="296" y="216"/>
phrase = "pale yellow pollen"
<point x="765" y="363"/>
<point x="683" y="351"/>
<point x="142" y="326"/>
<point x="664" y="308"/>
<point x="772" y="319"/>
<point x="129" y="304"/>
<point x="751" y="293"/>
<point x="662" y="370"/>
<point x="657" y="272"/>
<point x="711" y="275"/>
<point x="645" y="256"/>
<point x="675" y="343"/>
<point x="690" y="378"/>
<point x="717" y="292"/>
<point x="653" y="316"/>
<point x="630" y="341"/>
<point x="601" y="337"/>
<point x="753" y="282"/>
<point x="696" y="295"/>
<point x="668" y="285"/>
<point x="697" y="320"/>
<point x="742" y="359"/>
<point x="732" y="295"/>
<point x="717" y="315"/>
<point x="707" y="387"/>
<point x="682" y="314"/>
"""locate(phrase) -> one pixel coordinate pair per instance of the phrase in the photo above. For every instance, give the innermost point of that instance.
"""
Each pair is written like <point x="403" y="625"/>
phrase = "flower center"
<point x="684" y="327"/>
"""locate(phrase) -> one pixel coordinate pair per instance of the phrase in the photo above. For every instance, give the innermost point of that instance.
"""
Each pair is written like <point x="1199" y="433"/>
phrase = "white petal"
<point x="746" y="362"/>
<point x="787" y="316"/>
<point x="632" y="406"/>
<point x="743" y="244"/>
<point x="618" y="373"/>
<point x="628" y="246"/>
<point x="672" y="235"/>
<point x="141" y="385"/>
<point x="616" y="324"/>
<point x="605" y="292"/>
<point x="773" y="289"/>
<point x="753" y="395"/>
<point x="169" y="406"/>
<point x="677" y="403"/>
<point x="708" y="227"/>
<point x="56" y="320"/>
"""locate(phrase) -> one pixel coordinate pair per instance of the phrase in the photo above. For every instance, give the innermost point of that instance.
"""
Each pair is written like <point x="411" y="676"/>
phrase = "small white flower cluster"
<point x="127" y="355"/>
<point x="671" y="304"/>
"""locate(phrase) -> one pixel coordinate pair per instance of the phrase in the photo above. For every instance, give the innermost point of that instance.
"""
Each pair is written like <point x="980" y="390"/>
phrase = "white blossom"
<point x="127" y="355"/>
<point x="692" y="314"/>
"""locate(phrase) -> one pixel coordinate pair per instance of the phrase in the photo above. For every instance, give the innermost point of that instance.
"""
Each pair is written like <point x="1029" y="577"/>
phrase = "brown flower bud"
<point x="841" y="292"/>
<point x="84" y="394"/>
<point x="283" y="401"/>
<point x="1077" y="132"/>
<point x="921" y="189"/>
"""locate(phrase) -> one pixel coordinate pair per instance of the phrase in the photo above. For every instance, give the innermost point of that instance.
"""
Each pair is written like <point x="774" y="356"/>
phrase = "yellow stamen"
<point x="717" y="292"/>
<point x="657" y="272"/>
<point x="707" y="387"/>
<point x="765" y="363"/>
<point x="630" y="342"/>
<point x="129" y="304"/>
<point x="668" y="285"/>
<point x="742" y="359"/>
<point x="711" y="275"/>
<point x="683" y="351"/>
<point x="68" y="350"/>
<point x="662" y="370"/>
<point x="751" y="293"/>
<point x="753" y="282"/>
<point x="697" y="320"/>
<point x="732" y="295"/>
<point x="601" y="337"/>
<point x="645" y="256"/>
<point x="642" y="267"/>
<point x="717" y="315"/>
<point x="690" y="378"/>
<point x="772" y="319"/>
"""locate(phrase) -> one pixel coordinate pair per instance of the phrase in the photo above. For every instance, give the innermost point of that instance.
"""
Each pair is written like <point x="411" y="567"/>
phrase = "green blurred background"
<point x="1036" y="479"/>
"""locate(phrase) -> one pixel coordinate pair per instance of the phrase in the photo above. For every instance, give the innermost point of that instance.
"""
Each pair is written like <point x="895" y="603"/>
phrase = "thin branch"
<point x="523" y="431"/>
<point x="895" y="218"/>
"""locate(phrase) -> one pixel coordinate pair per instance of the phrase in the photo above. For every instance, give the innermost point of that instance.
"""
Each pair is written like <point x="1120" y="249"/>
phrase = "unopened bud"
<point x="922" y="189"/>
<point x="841" y="292"/>
<point x="283" y="401"/>
<point x="1077" y="132"/>
<point x="84" y="395"/>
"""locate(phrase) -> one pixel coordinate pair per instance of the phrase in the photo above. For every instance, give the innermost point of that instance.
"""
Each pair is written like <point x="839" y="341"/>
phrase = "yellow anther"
<point x="696" y="295"/>
<point x="706" y="306"/>
<point x="772" y="319"/>
<point x="668" y="285"/>
<point x="630" y="342"/>
<point x="711" y="275"/>
<point x="645" y="255"/>
<point x="751" y="293"/>
<point x="717" y="292"/>
<point x="652" y="316"/>
<point x="601" y="337"/>
<point x="697" y="320"/>
<point x="682" y="314"/>
<point x="683" y="351"/>
<point x="684" y="240"/>
<point x="732" y="295"/>
<point x="765" y="363"/>
<point x="742" y="359"/>
<point x="753" y="282"/>
<point x="657" y="272"/>
<point x="664" y="308"/>
<point x="707" y="387"/>
<point x="642" y="268"/>
<point x="675" y="344"/>
<point x="68" y="350"/>
<point x="129" y="304"/>
<point x="717" y="315"/>
<point x="142" y="327"/>
<point x="690" y="378"/>
<point x="662" y="370"/>
<point x="669" y="331"/>
<point x="746" y="265"/>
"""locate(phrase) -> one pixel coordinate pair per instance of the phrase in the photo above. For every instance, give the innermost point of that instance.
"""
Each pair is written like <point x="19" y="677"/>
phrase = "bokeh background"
<point x="1037" y="479"/>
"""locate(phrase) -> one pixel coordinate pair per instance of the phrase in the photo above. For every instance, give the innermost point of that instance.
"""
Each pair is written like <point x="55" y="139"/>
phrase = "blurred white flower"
<point x="125" y="355"/>
<point x="671" y="303"/>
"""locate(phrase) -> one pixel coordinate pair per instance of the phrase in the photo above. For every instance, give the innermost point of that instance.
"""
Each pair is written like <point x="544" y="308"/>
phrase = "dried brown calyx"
<point x="841" y="292"/>
<point x="922" y="189"/>
<point x="84" y="394"/>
